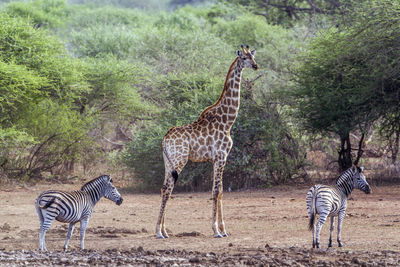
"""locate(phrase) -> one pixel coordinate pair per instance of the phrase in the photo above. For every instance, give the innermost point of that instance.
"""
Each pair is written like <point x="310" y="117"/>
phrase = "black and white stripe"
<point x="332" y="201"/>
<point x="73" y="207"/>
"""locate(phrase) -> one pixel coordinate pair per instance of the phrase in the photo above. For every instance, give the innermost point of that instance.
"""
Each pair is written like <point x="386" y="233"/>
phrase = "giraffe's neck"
<point x="229" y="101"/>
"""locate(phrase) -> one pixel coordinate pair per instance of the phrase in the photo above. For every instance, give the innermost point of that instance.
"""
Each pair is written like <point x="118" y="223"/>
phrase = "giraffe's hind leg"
<point x="171" y="173"/>
<point x="166" y="191"/>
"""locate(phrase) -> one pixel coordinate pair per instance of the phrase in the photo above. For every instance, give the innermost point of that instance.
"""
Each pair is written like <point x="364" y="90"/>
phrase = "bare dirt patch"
<point x="266" y="227"/>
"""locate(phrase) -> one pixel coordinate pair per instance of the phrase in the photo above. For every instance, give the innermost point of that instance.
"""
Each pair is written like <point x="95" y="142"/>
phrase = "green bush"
<point x="114" y="89"/>
<point x="41" y="13"/>
<point x="40" y="86"/>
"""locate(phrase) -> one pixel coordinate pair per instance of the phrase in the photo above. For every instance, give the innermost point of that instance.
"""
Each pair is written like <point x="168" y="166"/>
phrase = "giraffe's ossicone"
<point x="207" y="139"/>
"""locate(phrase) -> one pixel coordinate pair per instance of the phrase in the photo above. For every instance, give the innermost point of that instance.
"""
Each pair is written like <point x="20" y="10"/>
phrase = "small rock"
<point x="194" y="260"/>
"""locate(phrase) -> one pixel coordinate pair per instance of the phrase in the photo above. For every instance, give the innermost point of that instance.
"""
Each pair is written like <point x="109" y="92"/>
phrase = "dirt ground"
<point x="266" y="227"/>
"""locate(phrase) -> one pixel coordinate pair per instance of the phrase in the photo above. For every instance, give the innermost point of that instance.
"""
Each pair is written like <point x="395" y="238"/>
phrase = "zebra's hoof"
<point x="217" y="236"/>
<point x="224" y="235"/>
<point x="340" y="245"/>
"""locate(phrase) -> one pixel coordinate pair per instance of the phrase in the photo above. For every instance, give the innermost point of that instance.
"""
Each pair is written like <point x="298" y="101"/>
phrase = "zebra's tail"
<point x="313" y="213"/>
<point x="48" y="203"/>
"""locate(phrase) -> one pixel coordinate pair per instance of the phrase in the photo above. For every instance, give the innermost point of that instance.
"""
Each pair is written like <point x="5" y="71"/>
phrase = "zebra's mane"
<point x="91" y="183"/>
<point x="343" y="181"/>
<point x="344" y="173"/>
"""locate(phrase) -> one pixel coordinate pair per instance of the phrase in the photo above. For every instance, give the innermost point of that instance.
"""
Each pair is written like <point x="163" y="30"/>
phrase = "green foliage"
<point x="144" y="72"/>
<point x="39" y="85"/>
<point x="42" y="13"/>
<point x="41" y="53"/>
<point x="349" y="77"/>
<point x="113" y="89"/>
<point x="18" y="86"/>
<point x="265" y="152"/>
<point x="128" y="4"/>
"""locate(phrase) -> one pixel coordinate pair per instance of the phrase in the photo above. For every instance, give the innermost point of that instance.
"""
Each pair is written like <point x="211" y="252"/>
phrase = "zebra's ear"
<point x="354" y="168"/>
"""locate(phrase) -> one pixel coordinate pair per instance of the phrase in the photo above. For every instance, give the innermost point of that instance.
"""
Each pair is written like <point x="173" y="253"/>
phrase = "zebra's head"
<point x="359" y="180"/>
<point x="111" y="192"/>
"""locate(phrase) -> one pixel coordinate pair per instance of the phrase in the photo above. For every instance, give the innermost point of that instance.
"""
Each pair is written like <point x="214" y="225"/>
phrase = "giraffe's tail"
<point x="174" y="173"/>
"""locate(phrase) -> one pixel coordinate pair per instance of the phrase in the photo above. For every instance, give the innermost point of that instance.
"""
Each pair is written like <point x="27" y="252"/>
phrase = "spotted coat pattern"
<point x="205" y="140"/>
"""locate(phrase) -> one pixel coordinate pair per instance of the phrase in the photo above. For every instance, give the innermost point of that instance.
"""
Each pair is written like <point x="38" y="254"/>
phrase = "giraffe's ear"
<point x="253" y="53"/>
<point x="239" y="53"/>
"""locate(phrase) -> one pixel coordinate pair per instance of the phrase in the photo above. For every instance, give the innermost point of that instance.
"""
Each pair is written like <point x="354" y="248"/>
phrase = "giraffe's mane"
<point x="223" y="91"/>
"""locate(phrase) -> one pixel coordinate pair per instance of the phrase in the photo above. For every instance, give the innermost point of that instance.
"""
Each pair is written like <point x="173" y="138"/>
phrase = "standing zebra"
<point x="73" y="207"/>
<point x="332" y="201"/>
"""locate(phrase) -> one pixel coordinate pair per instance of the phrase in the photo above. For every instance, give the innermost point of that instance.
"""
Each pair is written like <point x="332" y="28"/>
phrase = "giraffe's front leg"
<point x="221" y="222"/>
<point x="218" y="223"/>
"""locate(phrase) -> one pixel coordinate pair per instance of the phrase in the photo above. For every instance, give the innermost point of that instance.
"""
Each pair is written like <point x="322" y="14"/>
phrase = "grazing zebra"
<point x="332" y="201"/>
<point x="73" y="207"/>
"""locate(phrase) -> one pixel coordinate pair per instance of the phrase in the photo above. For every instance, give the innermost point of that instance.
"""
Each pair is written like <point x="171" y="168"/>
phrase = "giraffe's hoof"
<point x="217" y="235"/>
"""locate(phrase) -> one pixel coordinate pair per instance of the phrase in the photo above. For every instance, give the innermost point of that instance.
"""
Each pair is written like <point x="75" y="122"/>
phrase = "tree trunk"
<point x="360" y="150"/>
<point x="395" y="147"/>
<point x="345" y="158"/>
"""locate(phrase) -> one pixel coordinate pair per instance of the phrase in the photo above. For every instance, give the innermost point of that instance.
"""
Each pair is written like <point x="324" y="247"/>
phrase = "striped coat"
<point x="331" y="201"/>
<point x="73" y="207"/>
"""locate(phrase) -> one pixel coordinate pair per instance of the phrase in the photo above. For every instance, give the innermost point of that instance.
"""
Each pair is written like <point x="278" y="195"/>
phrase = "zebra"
<point x="332" y="201"/>
<point x="73" y="207"/>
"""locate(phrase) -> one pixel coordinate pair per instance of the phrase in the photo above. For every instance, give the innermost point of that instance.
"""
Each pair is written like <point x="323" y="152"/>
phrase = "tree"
<point x="285" y="12"/>
<point x="349" y="77"/>
<point x="40" y="126"/>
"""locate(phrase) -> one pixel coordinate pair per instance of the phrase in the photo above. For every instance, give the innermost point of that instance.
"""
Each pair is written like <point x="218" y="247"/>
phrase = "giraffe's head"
<point x="246" y="57"/>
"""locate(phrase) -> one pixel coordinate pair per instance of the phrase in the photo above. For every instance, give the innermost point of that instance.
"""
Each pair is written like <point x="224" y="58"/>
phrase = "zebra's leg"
<point x="321" y="222"/>
<point x="339" y="229"/>
<point x="331" y="230"/>
<point x="69" y="234"/>
<point x="84" y="223"/>
<point x="45" y="224"/>
<point x="218" y="225"/>
<point x="41" y="221"/>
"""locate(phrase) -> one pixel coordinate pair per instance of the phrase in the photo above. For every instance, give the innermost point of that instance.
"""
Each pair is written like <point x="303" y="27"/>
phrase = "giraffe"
<point x="207" y="139"/>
